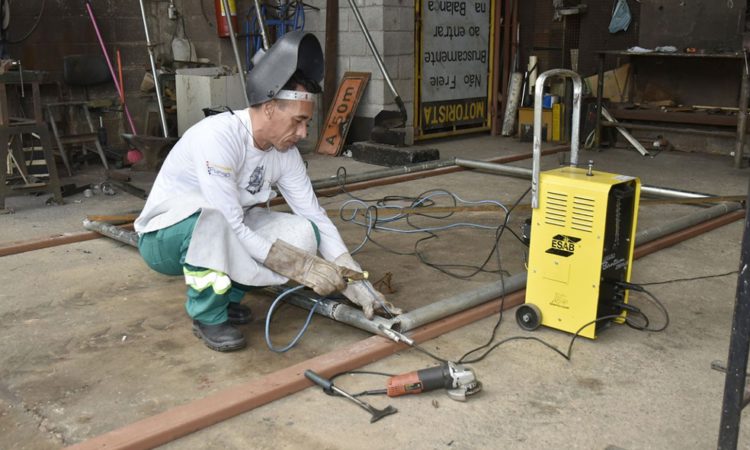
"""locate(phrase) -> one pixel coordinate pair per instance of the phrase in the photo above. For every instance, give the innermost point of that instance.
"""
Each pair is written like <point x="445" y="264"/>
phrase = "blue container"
<point x="548" y="100"/>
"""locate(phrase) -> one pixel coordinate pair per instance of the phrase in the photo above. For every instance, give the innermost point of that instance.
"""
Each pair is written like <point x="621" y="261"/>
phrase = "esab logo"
<point x="563" y="245"/>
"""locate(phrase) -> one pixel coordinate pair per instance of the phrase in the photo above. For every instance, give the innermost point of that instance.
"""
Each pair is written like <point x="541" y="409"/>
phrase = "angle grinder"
<point x="458" y="381"/>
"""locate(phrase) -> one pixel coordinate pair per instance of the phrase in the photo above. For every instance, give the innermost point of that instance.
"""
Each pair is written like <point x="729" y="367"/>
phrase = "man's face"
<point x="288" y="122"/>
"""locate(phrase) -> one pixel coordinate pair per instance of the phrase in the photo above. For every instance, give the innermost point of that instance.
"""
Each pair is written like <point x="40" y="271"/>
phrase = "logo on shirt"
<point x="256" y="180"/>
<point x="215" y="169"/>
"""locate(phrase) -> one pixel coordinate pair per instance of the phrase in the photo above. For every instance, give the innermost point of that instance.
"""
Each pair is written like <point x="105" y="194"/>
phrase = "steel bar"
<point x="233" y="39"/>
<point x="629" y="137"/>
<point x="14" y="248"/>
<point x="693" y="118"/>
<point x="261" y="24"/>
<point x="638" y="126"/>
<point x="152" y="61"/>
<point x="504" y="169"/>
<point x="421" y="174"/>
<point x="198" y="414"/>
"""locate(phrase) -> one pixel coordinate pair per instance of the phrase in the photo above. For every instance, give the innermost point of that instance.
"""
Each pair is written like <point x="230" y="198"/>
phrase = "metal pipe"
<point x="576" y="118"/>
<point x="457" y="303"/>
<point x="333" y="310"/>
<point x="382" y="173"/>
<point x="695" y="218"/>
<point x="261" y="24"/>
<point x="522" y="172"/>
<point x="152" y="61"/>
<point x="233" y="39"/>
<point x="112" y="231"/>
<point x="378" y="60"/>
<point x="440" y="167"/>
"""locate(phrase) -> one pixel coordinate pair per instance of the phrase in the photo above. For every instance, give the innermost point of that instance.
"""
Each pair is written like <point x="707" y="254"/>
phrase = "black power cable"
<point x="33" y="26"/>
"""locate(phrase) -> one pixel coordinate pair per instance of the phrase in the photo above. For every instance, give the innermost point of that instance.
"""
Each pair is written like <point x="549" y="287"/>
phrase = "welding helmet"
<point x="294" y="51"/>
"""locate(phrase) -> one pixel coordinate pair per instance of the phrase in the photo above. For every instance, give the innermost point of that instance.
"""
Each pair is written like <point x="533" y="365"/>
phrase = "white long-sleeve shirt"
<point x="216" y="165"/>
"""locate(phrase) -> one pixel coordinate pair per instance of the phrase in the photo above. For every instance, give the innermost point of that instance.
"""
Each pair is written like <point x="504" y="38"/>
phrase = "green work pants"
<point x="207" y="299"/>
<point x="164" y="251"/>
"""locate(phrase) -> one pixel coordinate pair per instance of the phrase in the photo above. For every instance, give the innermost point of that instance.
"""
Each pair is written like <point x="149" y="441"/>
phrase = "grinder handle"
<point x="325" y="383"/>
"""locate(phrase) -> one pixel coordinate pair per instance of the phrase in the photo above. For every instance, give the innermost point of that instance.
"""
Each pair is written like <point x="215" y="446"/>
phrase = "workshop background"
<point x="426" y="104"/>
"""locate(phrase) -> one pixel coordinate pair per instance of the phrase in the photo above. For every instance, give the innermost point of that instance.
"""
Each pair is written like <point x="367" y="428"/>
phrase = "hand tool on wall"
<point x="329" y="388"/>
<point x="458" y="381"/>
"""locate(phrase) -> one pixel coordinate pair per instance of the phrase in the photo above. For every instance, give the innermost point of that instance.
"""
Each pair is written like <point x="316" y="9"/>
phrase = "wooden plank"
<point x="340" y="114"/>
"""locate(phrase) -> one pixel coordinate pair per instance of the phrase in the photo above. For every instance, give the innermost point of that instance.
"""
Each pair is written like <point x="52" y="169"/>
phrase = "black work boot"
<point x="222" y="337"/>
<point x="239" y="314"/>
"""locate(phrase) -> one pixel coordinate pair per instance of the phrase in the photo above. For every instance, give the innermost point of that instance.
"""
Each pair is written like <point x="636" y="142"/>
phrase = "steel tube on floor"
<point x="504" y="169"/>
<point x="334" y="310"/>
<point x="695" y="218"/>
<point x="382" y="173"/>
<point x="112" y="231"/>
<point x="460" y="302"/>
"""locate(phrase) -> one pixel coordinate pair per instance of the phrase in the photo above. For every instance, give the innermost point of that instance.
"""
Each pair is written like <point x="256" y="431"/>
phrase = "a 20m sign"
<point x="450" y="113"/>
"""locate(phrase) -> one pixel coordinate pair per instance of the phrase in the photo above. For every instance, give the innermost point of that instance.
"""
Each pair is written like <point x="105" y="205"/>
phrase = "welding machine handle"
<point x="576" y="119"/>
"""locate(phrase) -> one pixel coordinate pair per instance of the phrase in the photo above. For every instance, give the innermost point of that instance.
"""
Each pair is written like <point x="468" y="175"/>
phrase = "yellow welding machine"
<point x="581" y="245"/>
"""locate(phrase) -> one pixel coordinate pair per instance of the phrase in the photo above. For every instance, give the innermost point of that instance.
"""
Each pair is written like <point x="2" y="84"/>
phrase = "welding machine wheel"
<point x="528" y="317"/>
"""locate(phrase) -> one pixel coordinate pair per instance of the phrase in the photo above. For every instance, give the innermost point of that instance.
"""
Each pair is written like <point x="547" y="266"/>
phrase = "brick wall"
<point x="391" y="26"/>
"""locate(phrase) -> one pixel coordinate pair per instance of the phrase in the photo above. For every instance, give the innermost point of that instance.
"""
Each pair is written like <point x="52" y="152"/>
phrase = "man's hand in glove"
<point x="363" y="293"/>
<point x="322" y="276"/>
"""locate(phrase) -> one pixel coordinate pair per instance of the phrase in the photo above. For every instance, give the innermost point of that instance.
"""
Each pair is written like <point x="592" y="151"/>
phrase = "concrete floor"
<point x="92" y="340"/>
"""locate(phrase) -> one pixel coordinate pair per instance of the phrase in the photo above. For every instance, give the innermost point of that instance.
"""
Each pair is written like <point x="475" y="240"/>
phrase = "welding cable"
<point x="302" y="330"/>
<point x="494" y="250"/>
<point x="567" y="355"/>
<point x="639" y="288"/>
<point x="33" y="26"/>
<point x="374" y="222"/>
<point x="680" y="280"/>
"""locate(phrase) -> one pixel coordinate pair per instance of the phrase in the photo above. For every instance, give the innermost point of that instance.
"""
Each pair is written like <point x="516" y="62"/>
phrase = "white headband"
<point x="286" y="94"/>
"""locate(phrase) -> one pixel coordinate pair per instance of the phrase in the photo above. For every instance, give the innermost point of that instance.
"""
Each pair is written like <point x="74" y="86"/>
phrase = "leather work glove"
<point x="305" y="268"/>
<point x="362" y="292"/>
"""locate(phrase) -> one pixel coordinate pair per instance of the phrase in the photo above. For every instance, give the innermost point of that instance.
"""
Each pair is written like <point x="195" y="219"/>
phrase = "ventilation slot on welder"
<point x="583" y="214"/>
<point x="556" y="209"/>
